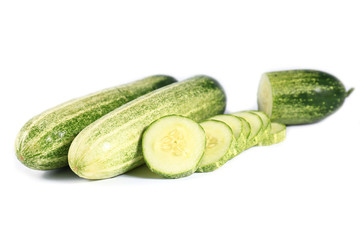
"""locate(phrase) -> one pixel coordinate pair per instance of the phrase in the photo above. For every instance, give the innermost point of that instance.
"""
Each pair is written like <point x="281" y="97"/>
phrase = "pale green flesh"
<point x="234" y="123"/>
<point x="237" y="126"/>
<point x="266" y="128"/>
<point x="246" y="127"/>
<point x="256" y="126"/>
<point x="219" y="145"/>
<point x="173" y="146"/>
<point x="276" y="135"/>
<point x="112" y="145"/>
<point x="264" y="96"/>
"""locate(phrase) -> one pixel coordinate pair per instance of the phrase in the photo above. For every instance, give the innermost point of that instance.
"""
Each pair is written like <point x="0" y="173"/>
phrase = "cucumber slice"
<point x="277" y="134"/>
<point x="256" y="126"/>
<point x="266" y="124"/>
<point x="246" y="127"/>
<point x="220" y="145"/>
<point x="173" y="146"/>
<point x="236" y="125"/>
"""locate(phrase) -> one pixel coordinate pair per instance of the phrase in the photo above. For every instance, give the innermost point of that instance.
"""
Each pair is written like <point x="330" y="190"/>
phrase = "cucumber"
<point x="266" y="128"/>
<point x="43" y="142"/>
<point x="246" y="127"/>
<point x="173" y="146"/>
<point x="220" y="145"/>
<point x="276" y="135"/>
<point x="300" y="96"/>
<point x="112" y="145"/>
<point x="256" y="127"/>
<point x="236" y="125"/>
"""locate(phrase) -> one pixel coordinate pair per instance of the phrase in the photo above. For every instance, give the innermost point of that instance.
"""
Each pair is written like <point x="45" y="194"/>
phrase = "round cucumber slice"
<point x="256" y="126"/>
<point x="266" y="124"/>
<point x="220" y="145"/>
<point x="277" y="134"/>
<point x="236" y="125"/>
<point x="173" y="146"/>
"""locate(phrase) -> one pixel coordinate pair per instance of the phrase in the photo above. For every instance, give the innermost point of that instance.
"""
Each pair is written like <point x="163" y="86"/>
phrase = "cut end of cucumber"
<point x="264" y="97"/>
<point x="173" y="146"/>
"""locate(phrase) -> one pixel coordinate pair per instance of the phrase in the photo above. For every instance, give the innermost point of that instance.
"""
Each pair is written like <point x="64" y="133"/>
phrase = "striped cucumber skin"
<point x="302" y="96"/>
<point x="112" y="145"/>
<point x="43" y="142"/>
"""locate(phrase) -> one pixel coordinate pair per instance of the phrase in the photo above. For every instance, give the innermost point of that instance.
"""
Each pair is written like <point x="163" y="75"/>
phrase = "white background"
<point x="307" y="187"/>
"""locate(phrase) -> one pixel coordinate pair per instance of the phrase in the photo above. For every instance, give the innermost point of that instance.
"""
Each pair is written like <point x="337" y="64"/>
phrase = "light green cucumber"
<point x="266" y="124"/>
<point x="300" y="96"/>
<point x="173" y="146"/>
<point x="43" y="142"/>
<point x="238" y="129"/>
<point x="112" y="145"/>
<point x="276" y="135"/>
<point x="256" y="126"/>
<point x="221" y="145"/>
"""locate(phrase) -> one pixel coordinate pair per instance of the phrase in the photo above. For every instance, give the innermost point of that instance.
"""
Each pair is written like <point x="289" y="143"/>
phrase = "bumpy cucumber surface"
<point x="43" y="142"/>
<point x="173" y="146"/>
<point x="112" y="145"/>
<point x="220" y="145"/>
<point x="300" y="96"/>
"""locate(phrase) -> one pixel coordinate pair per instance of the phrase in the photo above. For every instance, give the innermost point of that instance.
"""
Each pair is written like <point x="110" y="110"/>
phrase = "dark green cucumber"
<point x="300" y="96"/>
<point x="112" y="145"/>
<point x="44" y="141"/>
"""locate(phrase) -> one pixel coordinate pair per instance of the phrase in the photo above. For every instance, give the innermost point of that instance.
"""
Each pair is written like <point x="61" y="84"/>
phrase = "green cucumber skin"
<point x="304" y="96"/>
<point x="43" y="142"/>
<point x="112" y="145"/>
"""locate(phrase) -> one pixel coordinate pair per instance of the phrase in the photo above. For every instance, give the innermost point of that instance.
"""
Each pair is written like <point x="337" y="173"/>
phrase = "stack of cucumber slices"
<point x="176" y="146"/>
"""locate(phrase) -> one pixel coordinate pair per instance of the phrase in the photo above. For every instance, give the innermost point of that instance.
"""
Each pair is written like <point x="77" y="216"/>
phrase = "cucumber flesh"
<point x="173" y="146"/>
<point x="277" y="134"/>
<point x="246" y="127"/>
<point x="220" y="145"/>
<point x="264" y="96"/>
<point x="256" y="126"/>
<point x="266" y="124"/>
<point x="236" y="125"/>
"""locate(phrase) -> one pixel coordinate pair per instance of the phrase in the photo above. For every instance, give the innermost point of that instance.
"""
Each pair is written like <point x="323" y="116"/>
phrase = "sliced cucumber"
<point x="173" y="146"/>
<point x="256" y="126"/>
<point x="266" y="123"/>
<point x="246" y="127"/>
<point x="236" y="125"/>
<point x="277" y="134"/>
<point x="220" y="145"/>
